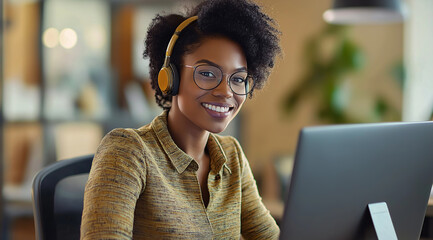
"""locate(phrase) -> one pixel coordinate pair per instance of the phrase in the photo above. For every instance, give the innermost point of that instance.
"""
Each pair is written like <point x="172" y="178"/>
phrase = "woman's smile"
<point x="218" y="110"/>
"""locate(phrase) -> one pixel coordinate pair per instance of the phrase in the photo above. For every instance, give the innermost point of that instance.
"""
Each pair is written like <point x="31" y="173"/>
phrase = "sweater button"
<point x="217" y="177"/>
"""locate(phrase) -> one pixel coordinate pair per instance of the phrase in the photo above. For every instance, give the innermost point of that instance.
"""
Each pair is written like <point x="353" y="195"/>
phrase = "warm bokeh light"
<point x="50" y="38"/>
<point x="68" y="38"/>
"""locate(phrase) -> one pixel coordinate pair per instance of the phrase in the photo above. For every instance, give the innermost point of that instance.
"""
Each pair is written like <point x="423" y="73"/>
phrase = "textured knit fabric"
<point x="143" y="186"/>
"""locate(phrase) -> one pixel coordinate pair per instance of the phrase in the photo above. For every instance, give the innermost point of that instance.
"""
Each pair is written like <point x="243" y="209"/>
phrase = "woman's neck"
<point x="187" y="136"/>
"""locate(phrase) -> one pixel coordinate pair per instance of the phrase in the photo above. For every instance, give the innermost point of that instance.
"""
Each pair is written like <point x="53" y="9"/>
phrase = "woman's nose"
<point x="223" y="89"/>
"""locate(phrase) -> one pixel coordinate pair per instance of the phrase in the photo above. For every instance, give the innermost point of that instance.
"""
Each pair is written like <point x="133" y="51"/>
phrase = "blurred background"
<point x="72" y="70"/>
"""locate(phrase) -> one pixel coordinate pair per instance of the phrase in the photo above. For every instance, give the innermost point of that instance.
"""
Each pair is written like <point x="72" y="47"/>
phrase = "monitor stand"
<point x="382" y="221"/>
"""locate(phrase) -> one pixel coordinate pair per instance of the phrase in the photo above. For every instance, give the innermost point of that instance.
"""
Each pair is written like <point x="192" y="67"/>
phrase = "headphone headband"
<point x="175" y="36"/>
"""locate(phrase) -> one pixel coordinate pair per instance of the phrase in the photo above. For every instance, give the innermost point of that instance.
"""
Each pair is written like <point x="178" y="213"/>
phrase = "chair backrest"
<point x="57" y="193"/>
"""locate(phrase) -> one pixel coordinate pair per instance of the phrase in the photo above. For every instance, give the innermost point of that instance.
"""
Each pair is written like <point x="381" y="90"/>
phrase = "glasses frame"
<point x="221" y="79"/>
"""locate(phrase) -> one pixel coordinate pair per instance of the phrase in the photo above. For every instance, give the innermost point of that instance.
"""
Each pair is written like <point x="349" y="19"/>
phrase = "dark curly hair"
<point x="239" y="20"/>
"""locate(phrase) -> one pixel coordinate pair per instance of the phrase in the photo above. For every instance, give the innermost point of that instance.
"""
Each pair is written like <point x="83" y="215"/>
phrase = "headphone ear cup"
<point x="174" y="88"/>
<point x="168" y="80"/>
<point x="164" y="80"/>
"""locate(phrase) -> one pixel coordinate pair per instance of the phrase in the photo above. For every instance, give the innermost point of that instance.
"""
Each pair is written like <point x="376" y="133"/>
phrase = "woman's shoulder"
<point x="128" y="137"/>
<point x="128" y="145"/>
<point x="131" y="133"/>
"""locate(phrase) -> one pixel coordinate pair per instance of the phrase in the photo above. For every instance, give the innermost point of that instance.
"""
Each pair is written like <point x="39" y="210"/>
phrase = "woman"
<point x="176" y="178"/>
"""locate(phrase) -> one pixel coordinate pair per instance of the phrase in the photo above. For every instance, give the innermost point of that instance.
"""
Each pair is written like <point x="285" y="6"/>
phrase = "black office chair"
<point x="58" y="192"/>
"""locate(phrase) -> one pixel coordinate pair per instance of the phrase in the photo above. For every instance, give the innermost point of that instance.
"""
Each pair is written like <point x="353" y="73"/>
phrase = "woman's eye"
<point x="207" y="74"/>
<point x="238" y="80"/>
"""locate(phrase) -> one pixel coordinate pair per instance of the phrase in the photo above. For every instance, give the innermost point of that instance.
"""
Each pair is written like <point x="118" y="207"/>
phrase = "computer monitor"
<point x="339" y="170"/>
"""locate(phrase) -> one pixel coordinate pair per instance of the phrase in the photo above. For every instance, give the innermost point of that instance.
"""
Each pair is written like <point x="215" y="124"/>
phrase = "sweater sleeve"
<point x="116" y="180"/>
<point x="256" y="220"/>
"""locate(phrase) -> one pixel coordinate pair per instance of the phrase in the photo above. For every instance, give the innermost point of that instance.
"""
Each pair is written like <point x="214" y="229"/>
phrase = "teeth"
<point x="216" y="108"/>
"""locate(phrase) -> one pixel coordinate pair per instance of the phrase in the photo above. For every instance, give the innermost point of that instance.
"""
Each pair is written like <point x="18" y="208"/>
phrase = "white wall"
<point x="418" y="94"/>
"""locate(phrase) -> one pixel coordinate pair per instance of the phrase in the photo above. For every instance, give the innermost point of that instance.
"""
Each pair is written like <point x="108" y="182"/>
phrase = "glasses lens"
<point x="207" y="77"/>
<point x="241" y="83"/>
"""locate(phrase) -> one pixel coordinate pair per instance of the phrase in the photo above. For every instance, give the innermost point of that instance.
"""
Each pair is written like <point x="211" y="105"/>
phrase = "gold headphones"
<point x="168" y="78"/>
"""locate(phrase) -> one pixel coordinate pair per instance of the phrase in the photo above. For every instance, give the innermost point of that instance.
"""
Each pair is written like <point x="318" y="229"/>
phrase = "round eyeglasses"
<point x="208" y="77"/>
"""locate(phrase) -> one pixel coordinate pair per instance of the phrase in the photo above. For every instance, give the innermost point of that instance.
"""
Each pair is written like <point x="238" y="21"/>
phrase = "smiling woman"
<point x="175" y="177"/>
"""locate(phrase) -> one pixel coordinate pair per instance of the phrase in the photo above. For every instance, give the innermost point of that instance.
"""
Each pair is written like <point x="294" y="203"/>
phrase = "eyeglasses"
<point x="208" y="77"/>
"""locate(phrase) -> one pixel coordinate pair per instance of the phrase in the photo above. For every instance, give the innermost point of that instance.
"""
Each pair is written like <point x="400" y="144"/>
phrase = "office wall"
<point x="266" y="131"/>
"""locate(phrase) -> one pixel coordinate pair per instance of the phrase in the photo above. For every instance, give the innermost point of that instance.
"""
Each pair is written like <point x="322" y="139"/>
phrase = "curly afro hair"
<point x="239" y="20"/>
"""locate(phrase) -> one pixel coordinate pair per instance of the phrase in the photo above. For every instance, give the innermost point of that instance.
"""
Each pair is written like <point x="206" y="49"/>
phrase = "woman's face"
<point x="210" y="110"/>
